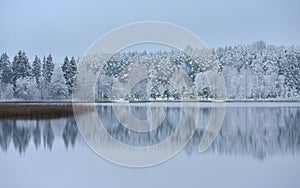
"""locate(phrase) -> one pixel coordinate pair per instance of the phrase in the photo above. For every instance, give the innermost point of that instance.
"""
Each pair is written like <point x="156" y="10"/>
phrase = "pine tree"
<point x="73" y="71"/>
<point x="58" y="88"/>
<point x="47" y="73"/>
<point x="5" y="69"/>
<point x="36" y="69"/>
<point x="4" y="61"/>
<point x="7" y="75"/>
<point x="20" y="68"/>
<point x="65" y="68"/>
<point x="48" y="68"/>
<point x="69" y="68"/>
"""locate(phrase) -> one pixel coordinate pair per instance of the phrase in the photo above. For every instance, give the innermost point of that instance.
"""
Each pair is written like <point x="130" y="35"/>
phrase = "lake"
<point x="258" y="146"/>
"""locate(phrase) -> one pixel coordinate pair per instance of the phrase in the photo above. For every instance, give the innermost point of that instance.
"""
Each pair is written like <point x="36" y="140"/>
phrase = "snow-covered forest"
<point x="41" y="79"/>
<point x="255" y="71"/>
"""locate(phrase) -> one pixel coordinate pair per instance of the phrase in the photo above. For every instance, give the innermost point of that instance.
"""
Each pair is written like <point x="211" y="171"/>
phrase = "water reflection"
<point x="252" y="131"/>
<point x="20" y="132"/>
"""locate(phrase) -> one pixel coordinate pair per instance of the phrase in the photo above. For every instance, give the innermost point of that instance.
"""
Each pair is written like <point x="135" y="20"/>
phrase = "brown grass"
<point x="34" y="111"/>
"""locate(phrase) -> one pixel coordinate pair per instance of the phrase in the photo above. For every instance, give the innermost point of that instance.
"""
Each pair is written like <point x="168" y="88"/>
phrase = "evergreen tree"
<point x="7" y="75"/>
<point x="36" y="69"/>
<point x="47" y="73"/>
<point x="5" y="69"/>
<point x="69" y="68"/>
<point x="48" y="68"/>
<point x="4" y="61"/>
<point x="65" y="68"/>
<point x="20" y="68"/>
<point x="58" y="88"/>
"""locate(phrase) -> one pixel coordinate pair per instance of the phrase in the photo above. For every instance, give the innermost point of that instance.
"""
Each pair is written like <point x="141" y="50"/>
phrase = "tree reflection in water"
<point x="254" y="131"/>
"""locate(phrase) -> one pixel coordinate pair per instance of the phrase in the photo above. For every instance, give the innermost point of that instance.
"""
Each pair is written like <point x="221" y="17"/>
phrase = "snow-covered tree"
<point x="7" y="75"/>
<point x="6" y="89"/>
<point x="202" y="86"/>
<point x="47" y="73"/>
<point x="48" y="68"/>
<point x="4" y="63"/>
<point x="36" y="69"/>
<point x="26" y="88"/>
<point x="20" y="68"/>
<point x="69" y="68"/>
<point x="58" y="88"/>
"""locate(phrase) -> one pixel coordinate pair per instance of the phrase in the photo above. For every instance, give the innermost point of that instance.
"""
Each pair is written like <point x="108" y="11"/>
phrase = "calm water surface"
<point x="258" y="146"/>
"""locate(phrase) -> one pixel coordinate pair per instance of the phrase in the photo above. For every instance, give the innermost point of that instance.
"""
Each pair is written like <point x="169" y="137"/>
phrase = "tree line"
<point x="254" y="71"/>
<point x="40" y="79"/>
<point x="251" y="72"/>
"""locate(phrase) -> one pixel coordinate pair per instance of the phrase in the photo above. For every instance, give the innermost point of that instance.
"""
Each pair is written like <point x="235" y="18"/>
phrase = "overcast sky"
<point x="70" y="27"/>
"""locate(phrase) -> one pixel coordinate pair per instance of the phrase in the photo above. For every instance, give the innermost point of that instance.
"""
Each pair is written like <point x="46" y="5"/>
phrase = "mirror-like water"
<point x="257" y="146"/>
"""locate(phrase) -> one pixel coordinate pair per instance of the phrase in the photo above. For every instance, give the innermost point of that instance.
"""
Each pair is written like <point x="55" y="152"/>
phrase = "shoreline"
<point x="58" y="102"/>
<point x="62" y="109"/>
<point x="25" y="111"/>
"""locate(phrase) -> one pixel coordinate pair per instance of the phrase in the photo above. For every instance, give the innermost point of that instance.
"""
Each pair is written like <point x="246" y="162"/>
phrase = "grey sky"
<point x="70" y="27"/>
